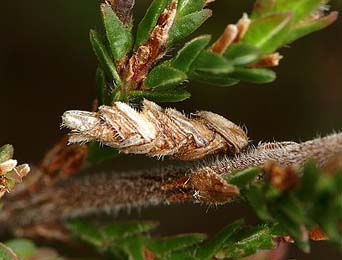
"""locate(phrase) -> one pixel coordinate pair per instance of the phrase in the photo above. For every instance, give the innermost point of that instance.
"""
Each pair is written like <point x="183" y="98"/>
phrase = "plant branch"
<point x="204" y="182"/>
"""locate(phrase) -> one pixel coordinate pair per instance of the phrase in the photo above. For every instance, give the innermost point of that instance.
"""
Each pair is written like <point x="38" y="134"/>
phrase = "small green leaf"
<point x="248" y="242"/>
<point x="7" y="253"/>
<point x="307" y="27"/>
<point x="149" y="21"/>
<point x="268" y="33"/>
<point x="189" y="6"/>
<point x="257" y="201"/>
<point x="294" y="210"/>
<point x="211" y="247"/>
<point x="182" y="255"/>
<point x="101" y="87"/>
<point x="162" y="247"/>
<point x="133" y="247"/>
<point x="295" y="231"/>
<point x="86" y="232"/>
<point x="104" y="58"/>
<point x="242" y="54"/>
<point x="172" y="95"/>
<point x="119" y="37"/>
<point x="128" y="229"/>
<point x="309" y="182"/>
<point x="331" y="204"/>
<point x="6" y="152"/>
<point x="243" y="178"/>
<point x="257" y="76"/>
<point x="184" y="26"/>
<point x="212" y="63"/>
<point x="23" y="248"/>
<point x="164" y="77"/>
<point x="188" y="54"/>
<point x="219" y="80"/>
<point x="299" y="8"/>
<point x="99" y="153"/>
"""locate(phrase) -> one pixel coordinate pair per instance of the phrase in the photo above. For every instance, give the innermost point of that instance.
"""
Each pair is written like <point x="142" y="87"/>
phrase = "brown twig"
<point x="204" y="182"/>
<point x="153" y="50"/>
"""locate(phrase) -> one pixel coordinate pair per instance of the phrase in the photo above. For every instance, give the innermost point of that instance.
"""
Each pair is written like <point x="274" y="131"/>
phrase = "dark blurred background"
<point x="47" y="66"/>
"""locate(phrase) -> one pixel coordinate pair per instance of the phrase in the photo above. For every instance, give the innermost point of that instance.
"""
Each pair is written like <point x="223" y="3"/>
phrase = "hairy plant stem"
<point x="203" y="182"/>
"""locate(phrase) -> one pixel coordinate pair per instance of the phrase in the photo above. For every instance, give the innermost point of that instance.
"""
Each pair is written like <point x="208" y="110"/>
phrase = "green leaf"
<point x="210" y="248"/>
<point x="173" y="95"/>
<point x="101" y="87"/>
<point x="118" y="237"/>
<point x="268" y="33"/>
<point x="189" y="6"/>
<point x="257" y="76"/>
<point x="128" y="229"/>
<point x="162" y="247"/>
<point x="295" y="231"/>
<point x="257" y="201"/>
<point x="6" y="253"/>
<point x="243" y="178"/>
<point x="99" y="153"/>
<point x="309" y="182"/>
<point x="134" y="248"/>
<point x="331" y="205"/>
<point x="307" y="27"/>
<point x="299" y="8"/>
<point x="331" y="220"/>
<point x="248" y="242"/>
<point x="182" y="255"/>
<point x="184" y="26"/>
<point x="262" y="8"/>
<point x="188" y="54"/>
<point x="164" y="77"/>
<point x="23" y="248"/>
<point x="119" y="37"/>
<point x="300" y="209"/>
<point x="242" y="54"/>
<point x="294" y="210"/>
<point x="104" y="58"/>
<point x="212" y="63"/>
<point x="220" y="80"/>
<point x="149" y="21"/>
<point x="6" y="152"/>
<point x="86" y="232"/>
